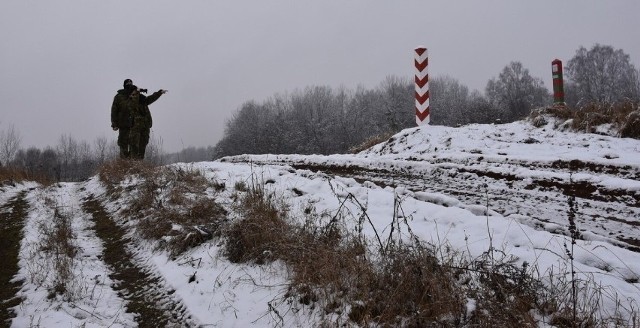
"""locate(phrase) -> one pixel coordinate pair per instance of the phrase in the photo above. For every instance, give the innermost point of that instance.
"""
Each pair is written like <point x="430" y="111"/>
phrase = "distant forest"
<point x="326" y="120"/>
<point x="73" y="160"/>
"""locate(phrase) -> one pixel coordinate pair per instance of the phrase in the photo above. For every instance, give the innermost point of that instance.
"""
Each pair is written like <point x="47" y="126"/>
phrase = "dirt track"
<point x="12" y="216"/>
<point x="144" y="291"/>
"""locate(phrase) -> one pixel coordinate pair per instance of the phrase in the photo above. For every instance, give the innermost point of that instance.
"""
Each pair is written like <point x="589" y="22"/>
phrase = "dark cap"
<point x="127" y="82"/>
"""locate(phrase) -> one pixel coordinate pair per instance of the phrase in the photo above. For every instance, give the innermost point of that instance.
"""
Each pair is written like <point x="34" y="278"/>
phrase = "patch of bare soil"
<point x="145" y="294"/>
<point x="12" y="216"/>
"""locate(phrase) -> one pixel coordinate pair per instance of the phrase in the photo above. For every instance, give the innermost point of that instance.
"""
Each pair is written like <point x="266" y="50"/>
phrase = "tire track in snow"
<point x="12" y="216"/>
<point x="143" y="290"/>
<point x="609" y="214"/>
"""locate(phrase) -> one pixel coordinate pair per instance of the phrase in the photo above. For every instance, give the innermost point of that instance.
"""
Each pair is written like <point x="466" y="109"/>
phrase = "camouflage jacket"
<point x="141" y="114"/>
<point x="121" y="110"/>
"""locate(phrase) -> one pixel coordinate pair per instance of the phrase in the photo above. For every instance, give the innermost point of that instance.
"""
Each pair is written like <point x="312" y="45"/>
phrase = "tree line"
<point x="74" y="160"/>
<point x="325" y="120"/>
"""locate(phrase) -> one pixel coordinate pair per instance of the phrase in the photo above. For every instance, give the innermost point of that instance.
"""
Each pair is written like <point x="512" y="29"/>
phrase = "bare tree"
<point x="479" y="109"/>
<point x="318" y="120"/>
<point x="398" y="100"/>
<point x="449" y="100"/>
<point x="516" y="92"/>
<point x="603" y="74"/>
<point x="9" y="144"/>
<point x="101" y="145"/>
<point x="154" y="152"/>
<point x="67" y="150"/>
<point x="49" y="165"/>
<point x="113" y="150"/>
<point x="84" y="152"/>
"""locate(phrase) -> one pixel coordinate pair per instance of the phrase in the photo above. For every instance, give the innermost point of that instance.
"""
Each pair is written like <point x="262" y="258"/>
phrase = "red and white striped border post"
<point x="422" y="86"/>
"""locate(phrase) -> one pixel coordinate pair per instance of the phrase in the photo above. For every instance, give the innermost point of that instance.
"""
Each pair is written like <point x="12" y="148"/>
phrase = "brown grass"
<point x="625" y="117"/>
<point x="58" y="242"/>
<point x="631" y="128"/>
<point x="339" y="272"/>
<point x="402" y="284"/>
<point x="259" y="236"/>
<point x="334" y="270"/>
<point x="171" y="207"/>
<point x="505" y="295"/>
<point x="408" y="286"/>
<point x="10" y="176"/>
<point x="113" y="172"/>
<point x="179" y="230"/>
<point x="370" y="142"/>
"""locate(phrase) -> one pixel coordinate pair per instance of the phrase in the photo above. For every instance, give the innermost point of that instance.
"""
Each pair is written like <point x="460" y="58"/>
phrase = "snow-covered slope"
<point x="513" y="142"/>
<point x="471" y="188"/>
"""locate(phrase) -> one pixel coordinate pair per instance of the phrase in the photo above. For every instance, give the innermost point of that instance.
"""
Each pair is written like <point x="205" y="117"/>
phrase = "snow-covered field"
<point x="472" y="188"/>
<point x="524" y="173"/>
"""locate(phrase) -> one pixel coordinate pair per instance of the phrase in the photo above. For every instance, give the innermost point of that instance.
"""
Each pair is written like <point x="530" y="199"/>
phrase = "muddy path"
<point x="145" y="292"/>
<point x="12" y="218"/>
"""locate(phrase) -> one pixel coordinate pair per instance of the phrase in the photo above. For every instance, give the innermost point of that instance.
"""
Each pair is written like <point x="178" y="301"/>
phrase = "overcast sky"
<point x="62" y="61"/>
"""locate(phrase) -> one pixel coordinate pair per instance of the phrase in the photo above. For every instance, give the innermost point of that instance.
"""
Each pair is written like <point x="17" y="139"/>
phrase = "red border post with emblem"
<point x="558" y="82"/>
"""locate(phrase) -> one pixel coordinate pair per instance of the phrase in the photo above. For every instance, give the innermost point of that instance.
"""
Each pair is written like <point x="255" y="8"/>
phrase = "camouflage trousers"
<point x="139" y="138"/>
<point x="124" y="142"/>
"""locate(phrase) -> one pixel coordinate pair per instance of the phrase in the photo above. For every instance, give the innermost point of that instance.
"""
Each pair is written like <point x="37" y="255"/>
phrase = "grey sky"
<point x="62" y="61"/>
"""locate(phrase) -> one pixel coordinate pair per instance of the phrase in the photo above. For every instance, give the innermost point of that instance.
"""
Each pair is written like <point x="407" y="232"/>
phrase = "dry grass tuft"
<point x="588" y="117"/>
<point x="180" y="229"/>
<point x="625" y="117"/>
<point x="408" y="287"/>
<point x="171" y="206"/>
<point x="113" y="172"/>
<point x="58" y="242"/>
<point x="505" y="294"/>
<point x="260" y="235"/>
<point x="631" y="127"/>
<point x="370" y="142"/>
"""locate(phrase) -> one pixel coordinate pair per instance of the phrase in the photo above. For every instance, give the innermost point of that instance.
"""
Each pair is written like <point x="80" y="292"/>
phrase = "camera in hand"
<point x="142" y="90"/>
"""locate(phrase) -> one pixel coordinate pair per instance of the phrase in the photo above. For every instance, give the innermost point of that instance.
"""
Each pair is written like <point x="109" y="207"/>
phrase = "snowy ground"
<point x="470" y="188"/>
<point x="522" y="172"/>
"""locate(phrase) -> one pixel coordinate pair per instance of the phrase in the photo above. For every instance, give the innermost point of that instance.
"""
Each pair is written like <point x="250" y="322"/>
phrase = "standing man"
<point x="142" y="122"/>
<point x="122" y="117"/>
